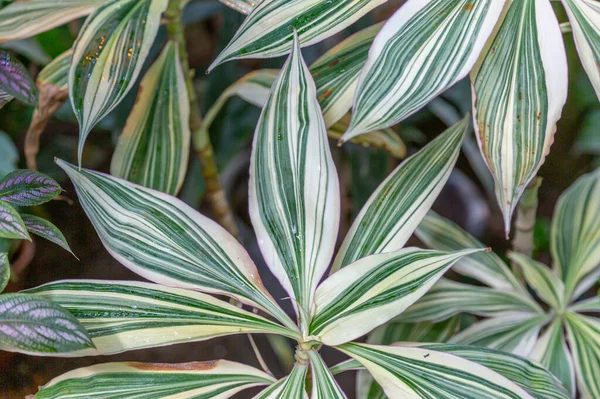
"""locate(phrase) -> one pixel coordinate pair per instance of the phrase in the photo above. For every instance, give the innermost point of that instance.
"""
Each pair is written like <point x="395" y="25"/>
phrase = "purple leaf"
<point x="15" y="80"/>
<point x="4" y="271"/>
<point x="32" y="324"/>
<point x="45" y="229"/>
<point x="28" y="188"/>
<point x="11" y="224"/>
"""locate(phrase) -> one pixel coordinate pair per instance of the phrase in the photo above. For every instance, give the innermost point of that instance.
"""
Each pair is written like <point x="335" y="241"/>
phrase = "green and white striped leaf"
<point x="4" y="271"/>
<point x="324" y="385"/>
<point x="518" y="95"/>
<point x="448" y="298"/>
<point x="290" y="387"/>
<point x="219" y="379"/>
<point x="268" y="31"/>
<point x="487" y="267"/>
<point x="548" y="286"/>
<point x="424" y="48"/>
<point x="584" y="339"/>
<point x="415" y="373"/>
<point x="584" y="16"/>
<point x="122" y="316"/>
<point x="575" y="234"/>
<point x="108" y="57"/>
<point x="11" y="224"/>
<point x="552" y="352"/>
<point x="373" y="290"/>
<point x="153" y="149"/>
<point x="56" y="73"/>
<point x="395" y="209"/>
<point x="46" y="230"/>
<point x="35" y="325"/>
<point x="515" y="333"/>
<point x="591" y="305"/>
<point x="294" y="187"/>
<point x="243" y="6"/>
<point x="26" y="18"/>
<point x="166" y="241"/>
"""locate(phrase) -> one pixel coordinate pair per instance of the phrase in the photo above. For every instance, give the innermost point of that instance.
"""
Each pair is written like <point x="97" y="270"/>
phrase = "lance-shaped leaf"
<point x="290" y="387"/>
<point x="409" y="372"/>
<point x="552" y="352"/>
<point x="26" y="18"/>
<point x="448" y="298"/>
<point x="15" y="81"/>
<point x="108" y="57"/>
<point x="45" y="229"/>
<point x="548" y="286"/>
<point x="243" y="6"/>
<point x="4" y="271"/>
<point x="591" y="305"/>
<point x="518" y="95"/>
<point x="395" y="209"/>
<point x="294" y="188"/>
<point x="584" y="16"/>
<point x="28" y="188"/>
<point x="373" y="290"/>
<point x="575" y="234"/>
<point x="426" y="47"/>
<point x="584" y="339"/>
<point x="35" y="325"/>
<point x="56" y="73"/>
<point x="166" y="241"/>
<point x="11" y="224"/>
<point x="122" y="316"/>
<point x="219" y="379"/>
<point x="442" y="234"/>
<point x="324" y="385"/>
<point x="268" y="30"/>
<point x="516" y="333"/>
<point x="153" y="149"/>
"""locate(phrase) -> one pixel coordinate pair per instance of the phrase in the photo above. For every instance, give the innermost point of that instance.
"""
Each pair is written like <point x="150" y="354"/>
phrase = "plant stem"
<point x="525" y="222"/>
<point x="204" y="149"/>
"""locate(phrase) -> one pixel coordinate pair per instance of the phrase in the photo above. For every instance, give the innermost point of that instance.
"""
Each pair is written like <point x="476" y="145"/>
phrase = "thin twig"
<point x="261" y="361"/>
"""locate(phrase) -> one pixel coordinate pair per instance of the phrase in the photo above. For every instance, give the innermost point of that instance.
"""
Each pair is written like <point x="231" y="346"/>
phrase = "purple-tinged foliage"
<point x="28" y="188"/>
<point x="45" y="229"/>
<point x="4" y="271"/>
<point x="15" y="80"/>
<point x="11" y="224"/>
<point x="31" y="324"/>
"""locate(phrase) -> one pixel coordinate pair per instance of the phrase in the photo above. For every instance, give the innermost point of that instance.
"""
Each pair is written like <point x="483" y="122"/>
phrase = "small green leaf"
<point x="45" y="229"/>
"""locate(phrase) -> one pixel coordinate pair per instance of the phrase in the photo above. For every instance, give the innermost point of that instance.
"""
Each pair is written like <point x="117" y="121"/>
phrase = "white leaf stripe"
<point x="290" y="387"/>
<point x="589" y="305"/>
<point x="394" y="210"/>
<point x="243" y="6"/>
<point x="294" y="188"/>
<point x="108" y="57"/>
<point x="518" y="95"/>
<point x="4" y="271"/>
<point x="414" y="373"/>
<point x="324" y="385"/>
<point x="11" y="223"/>
<point x="584" y="339"/>
<point x="56" y="73"/>
<point x="448" y="298"/>
<point x="268" y="30"/>
<point x="46" y="230"/>
<point x="370" y="292"/>
<point x="26" y="18"/>
<point x="153" y="149"/>
<point x="548" y="286"/>
<point x="427" y="46"/>
<point x="166" y="241"/>
<point x="216" y="380"/>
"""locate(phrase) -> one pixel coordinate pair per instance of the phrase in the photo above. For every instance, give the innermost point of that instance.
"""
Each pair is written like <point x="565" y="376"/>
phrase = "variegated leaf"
<point x="35" y="325"/>
<point x="268" y="30"/>
<point x="46" y="230"/>
<point x="166" y="241"/>
<point x="122" y="316"/>
<point x="294" y="187"/>
<point x="584" y="339"/>
<point x="324" y="385"/>
<point x="518" y="95"/>
<point x="448" y="298"/>
<point x="395" y="209"/>
<point x="515" y="333"/>
<point x="5" y="98"/>
<point x="11" y="224"/>
<point x="539" y="277"/>
<point x="426" y="47"/>
<point x="373" y="290"/>
<point x="591" y="305"/>
<point x="584" y="16"/>
<point x="28" y="188"/>
<point x="153" y="149"/>
<point x="575" y="234"/>
<point x="219" y="379"/>
<point x="243" y="6"/>
<point x="56" y="73"/>
<point x="25" y="18"/>
<point x="4" y="271"/>
<point x="108" y="57"/>
<point x="552" y="352"/>
<point x="415" y="373"/>
<point x="15" y="80"/>
<point x="290" y="387"/>
<point x="442" y="234"/>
